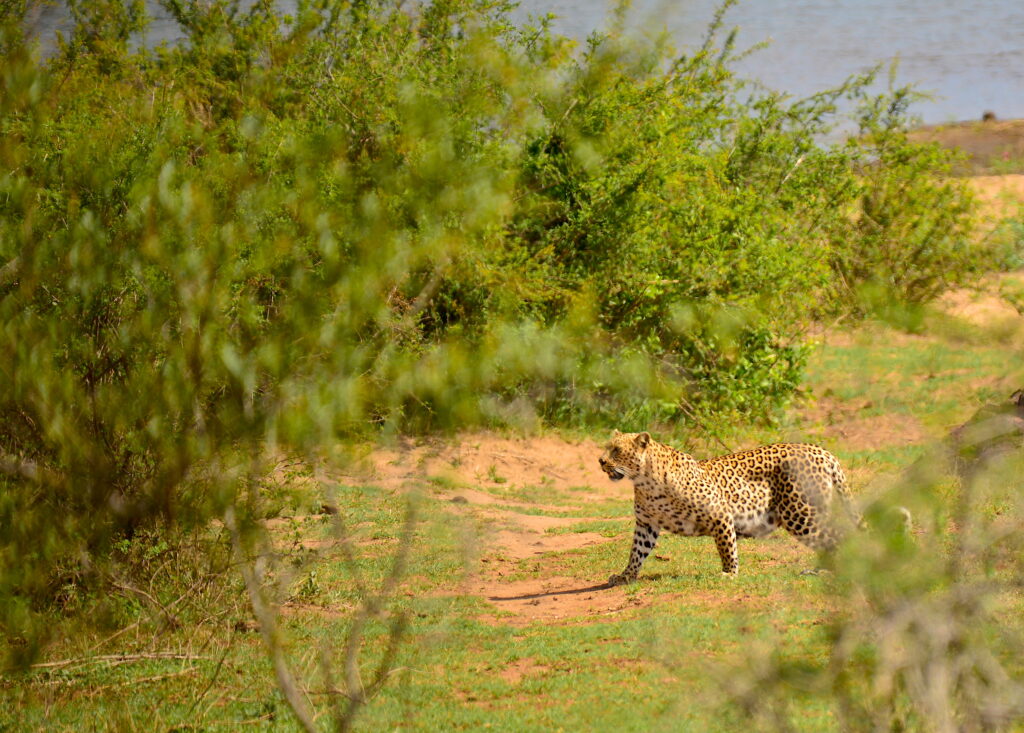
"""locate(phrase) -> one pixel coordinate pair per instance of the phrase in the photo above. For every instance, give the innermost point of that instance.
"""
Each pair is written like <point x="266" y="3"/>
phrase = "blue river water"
<point x="968" y="53"/>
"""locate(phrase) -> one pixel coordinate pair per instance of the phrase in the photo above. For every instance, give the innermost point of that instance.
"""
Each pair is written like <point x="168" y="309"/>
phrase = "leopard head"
<point x="623" y="456"/>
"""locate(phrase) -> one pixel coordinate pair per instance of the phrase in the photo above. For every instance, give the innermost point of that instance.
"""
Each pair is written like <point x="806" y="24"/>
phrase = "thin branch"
<point x="137" y="681"/>
<point x="357" y="693"/>
<point x="140" y="680"/>
<point x="172" y="620"/>
<point x="209" y="685"/>
<point x="115" y="659"/>
<point x="267" y="620"/>
<point x="691" y="413"/>
<point x="423" y="298"/>
<point x="789" y="173"/>
<point x="119" y="632"/>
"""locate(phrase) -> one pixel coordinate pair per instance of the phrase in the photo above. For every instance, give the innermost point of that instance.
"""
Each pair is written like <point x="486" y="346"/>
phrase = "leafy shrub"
<point x="908" y="235"/>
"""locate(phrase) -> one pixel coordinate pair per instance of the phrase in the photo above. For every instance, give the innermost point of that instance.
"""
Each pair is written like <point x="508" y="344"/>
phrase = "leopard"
<point x="750" y="493"/>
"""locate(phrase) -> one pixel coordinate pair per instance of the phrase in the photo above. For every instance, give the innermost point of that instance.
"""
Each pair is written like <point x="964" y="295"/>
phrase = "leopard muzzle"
<point x="614" y="472"/>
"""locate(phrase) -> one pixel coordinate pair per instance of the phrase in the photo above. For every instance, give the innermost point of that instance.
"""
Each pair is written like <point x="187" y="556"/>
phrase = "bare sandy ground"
<point x="480" y="474"/>
<point x="476" y="473"/>
<point x="994" y="146"/>
<point x="999" y="196"/>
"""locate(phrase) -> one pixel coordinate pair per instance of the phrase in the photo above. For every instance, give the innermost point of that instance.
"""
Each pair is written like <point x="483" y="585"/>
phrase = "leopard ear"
<point x="643" y="439"/>
<point x="616" y="432"/>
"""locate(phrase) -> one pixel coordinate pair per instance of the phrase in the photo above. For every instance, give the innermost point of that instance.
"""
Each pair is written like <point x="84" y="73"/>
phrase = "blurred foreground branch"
<point x="920" y="640"/>
<point x="371" y="606"/>
<point x="266" y="617"/>
<point x="348" y="700"/>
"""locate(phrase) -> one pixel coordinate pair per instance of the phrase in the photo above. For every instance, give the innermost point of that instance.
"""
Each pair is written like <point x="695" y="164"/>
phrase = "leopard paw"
<point x="621" y="579"/>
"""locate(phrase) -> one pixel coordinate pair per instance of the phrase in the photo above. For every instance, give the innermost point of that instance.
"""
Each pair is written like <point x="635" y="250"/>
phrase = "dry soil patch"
<point x="475" y="474"/>
<point x="831" y="419"/>
<point x="991" y="146"/>
<point x="486" y="460"/>
<point x="520" y="668"/>
<point x="999" y="197"/>
<point x="987" y="306"/>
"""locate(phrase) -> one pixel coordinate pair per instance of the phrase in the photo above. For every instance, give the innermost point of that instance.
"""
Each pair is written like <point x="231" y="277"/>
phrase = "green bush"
<point x="908" y="236"/>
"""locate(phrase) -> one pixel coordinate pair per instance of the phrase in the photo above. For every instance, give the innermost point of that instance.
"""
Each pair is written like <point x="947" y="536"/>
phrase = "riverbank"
<point x="992" y="147"/>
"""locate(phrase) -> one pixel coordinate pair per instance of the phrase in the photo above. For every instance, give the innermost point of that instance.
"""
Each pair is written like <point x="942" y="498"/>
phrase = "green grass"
<point x="583" y="675"/>
<point x="937" y="379"/>
<point x="658" y="663"/>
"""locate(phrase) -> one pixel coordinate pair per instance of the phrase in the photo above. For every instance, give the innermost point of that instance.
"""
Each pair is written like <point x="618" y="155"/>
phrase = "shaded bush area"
<point x="288" y="232"/>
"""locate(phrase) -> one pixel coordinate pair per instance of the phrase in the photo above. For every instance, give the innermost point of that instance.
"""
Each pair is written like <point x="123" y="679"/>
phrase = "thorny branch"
<point x="372" y="605"/>
<point x="349" y="700"/>
<point x="266" y="617"/>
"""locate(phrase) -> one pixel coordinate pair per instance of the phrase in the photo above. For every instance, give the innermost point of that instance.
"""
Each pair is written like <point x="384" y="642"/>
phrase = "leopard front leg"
<point x="645" y="537"/>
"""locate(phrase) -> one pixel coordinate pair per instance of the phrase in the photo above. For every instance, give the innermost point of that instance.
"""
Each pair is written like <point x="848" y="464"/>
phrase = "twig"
<point x="685" y="405"/>
<point x="423" y="298"/>
<point x="136" y="681"/>
<point x="565" y="115"/>
<point x="209" y="685"/>
<point x="128" y="588"/>
<point x="115" y="659"/>
<point x="268" y="628"/>
<point x="113" y="636"/>
<point x="357" y="693"/>
<point x="789" y="173"/>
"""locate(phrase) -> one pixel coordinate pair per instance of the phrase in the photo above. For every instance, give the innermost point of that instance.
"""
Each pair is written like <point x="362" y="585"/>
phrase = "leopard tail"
<point x="842" y="487"/>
